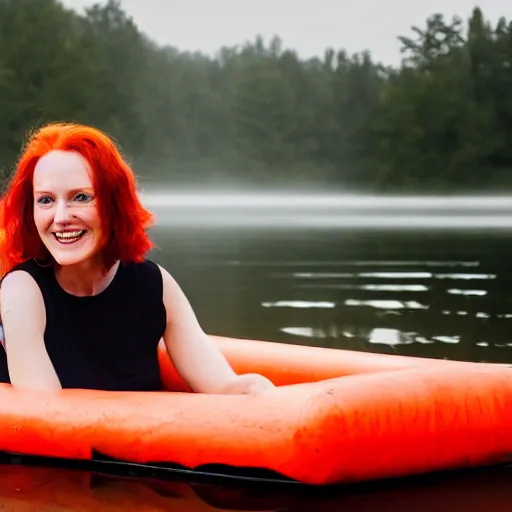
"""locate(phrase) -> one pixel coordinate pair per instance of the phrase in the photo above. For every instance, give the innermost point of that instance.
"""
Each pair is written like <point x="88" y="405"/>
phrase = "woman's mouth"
<point x="69" y="237"/>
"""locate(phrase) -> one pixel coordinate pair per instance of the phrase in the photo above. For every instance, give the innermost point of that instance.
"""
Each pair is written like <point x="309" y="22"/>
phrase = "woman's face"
<point x="65" y="209"/>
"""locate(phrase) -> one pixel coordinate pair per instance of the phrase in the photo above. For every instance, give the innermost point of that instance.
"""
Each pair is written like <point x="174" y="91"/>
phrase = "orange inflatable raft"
<point x="336" y="417"/>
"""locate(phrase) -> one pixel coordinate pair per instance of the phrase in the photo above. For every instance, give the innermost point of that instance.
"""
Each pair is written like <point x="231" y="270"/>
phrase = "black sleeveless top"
<point x="106" y="341"/>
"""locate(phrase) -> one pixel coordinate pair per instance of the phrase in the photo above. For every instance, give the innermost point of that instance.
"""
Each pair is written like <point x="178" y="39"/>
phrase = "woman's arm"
<point x="197" y="360"/>
<point x="23" y="317"/>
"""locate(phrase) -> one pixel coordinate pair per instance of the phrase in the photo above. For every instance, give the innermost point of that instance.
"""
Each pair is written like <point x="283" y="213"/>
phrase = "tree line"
<point x="259" y="115"/>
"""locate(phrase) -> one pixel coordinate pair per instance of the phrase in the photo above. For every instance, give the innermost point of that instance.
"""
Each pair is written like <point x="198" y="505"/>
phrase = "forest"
<point x="258" y="115"/>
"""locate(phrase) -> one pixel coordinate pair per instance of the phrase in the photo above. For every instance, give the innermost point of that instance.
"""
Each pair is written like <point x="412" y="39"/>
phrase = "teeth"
<point x="68" y="235"/>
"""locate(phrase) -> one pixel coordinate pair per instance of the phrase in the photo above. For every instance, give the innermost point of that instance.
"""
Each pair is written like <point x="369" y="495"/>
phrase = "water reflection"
<point x="328" y="211"/>
<point x="431" y="294"/>
<point x="353" y="282"/>
<point x="277" y="201"/>
<point x="325" y="221"/>
<point x="298" y="304"/>
<point x="386" y="304"/>
<point x="24" y="489"/>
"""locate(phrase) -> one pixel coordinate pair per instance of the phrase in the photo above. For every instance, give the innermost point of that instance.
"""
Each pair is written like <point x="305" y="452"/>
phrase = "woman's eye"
<point x="82" y="197"/>
<point x="44" y="200"/>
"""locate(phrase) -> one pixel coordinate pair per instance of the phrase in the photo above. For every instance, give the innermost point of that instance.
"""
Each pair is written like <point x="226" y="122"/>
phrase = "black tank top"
<point x="106" y="341"/>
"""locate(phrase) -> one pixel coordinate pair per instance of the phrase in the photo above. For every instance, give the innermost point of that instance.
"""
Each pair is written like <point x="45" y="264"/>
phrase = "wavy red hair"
<point x="124" y="220"/>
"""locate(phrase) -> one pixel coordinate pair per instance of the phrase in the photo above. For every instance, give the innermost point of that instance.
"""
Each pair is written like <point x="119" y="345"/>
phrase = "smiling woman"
<point x="80" y="304"/>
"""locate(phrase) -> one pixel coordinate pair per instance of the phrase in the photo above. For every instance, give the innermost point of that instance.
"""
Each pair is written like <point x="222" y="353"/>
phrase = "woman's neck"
<point x="85" y="279"/>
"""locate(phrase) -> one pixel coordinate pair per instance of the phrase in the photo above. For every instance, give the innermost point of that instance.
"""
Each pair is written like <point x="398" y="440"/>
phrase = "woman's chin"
<point x="72" y="254"/>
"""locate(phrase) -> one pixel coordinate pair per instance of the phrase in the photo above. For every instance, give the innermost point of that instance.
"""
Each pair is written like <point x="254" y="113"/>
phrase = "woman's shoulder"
<point x="163" y="276"/>
<point x="146" y="269"/>
<point x="20" y="294"/>
<point x="147" y="276"/>
<point x="19" y="279"/>
<point x="161" y="281"/>
<point x="26" y="273"/>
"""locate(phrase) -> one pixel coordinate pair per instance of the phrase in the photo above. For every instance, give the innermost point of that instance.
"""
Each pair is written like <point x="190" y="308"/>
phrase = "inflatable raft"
<point x="336" y="417"/>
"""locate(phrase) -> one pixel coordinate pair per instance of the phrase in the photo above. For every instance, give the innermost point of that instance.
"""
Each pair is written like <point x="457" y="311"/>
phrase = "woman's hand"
<point x="247" y="384"/>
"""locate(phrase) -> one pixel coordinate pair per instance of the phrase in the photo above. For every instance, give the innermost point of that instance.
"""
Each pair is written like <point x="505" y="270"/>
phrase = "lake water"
<point x="415" y="276"/>
<point x="27" y="489"/>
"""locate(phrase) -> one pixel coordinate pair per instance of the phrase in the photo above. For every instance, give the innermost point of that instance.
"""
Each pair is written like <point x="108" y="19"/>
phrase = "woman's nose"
<point x="62" y="213"/>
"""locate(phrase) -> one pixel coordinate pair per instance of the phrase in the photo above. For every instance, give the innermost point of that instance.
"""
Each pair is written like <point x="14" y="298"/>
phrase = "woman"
<point x="80" y="305"/>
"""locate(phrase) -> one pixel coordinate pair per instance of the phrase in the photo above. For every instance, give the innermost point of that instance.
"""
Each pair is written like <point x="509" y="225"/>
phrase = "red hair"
<point x="123" y="218"/>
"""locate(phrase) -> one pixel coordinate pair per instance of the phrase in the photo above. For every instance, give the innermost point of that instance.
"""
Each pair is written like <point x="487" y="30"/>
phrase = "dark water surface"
<point x="433" y="293"/>
<point x="30" y="489"/>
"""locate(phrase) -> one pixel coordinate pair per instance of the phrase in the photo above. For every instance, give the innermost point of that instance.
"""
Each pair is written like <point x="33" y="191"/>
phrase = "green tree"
<point x="257" y="113"/>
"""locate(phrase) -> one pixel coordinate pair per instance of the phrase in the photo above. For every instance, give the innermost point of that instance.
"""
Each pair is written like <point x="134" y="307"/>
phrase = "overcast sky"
<point x="309" y="26"/>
